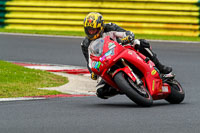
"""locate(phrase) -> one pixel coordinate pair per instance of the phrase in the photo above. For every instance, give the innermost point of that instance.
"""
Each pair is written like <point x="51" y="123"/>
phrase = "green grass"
<point x="74" y="33"/>
<point x="17" y="81"/>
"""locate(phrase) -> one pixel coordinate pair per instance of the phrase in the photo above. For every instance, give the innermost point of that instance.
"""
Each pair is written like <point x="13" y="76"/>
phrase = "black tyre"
<point x="177" y="93"/>
<point x="139" y="95"/>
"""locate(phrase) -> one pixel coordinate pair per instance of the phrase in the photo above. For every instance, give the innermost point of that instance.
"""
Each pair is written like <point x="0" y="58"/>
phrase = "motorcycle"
<point x="132" y="73"/>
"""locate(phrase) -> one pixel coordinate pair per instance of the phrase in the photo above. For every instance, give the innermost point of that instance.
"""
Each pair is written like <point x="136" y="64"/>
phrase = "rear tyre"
<point x="139" y="95"/>
<point x="177" y="94"/>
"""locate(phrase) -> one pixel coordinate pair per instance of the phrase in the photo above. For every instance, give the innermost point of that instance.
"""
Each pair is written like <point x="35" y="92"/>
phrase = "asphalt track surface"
<point x="93" y="115"/>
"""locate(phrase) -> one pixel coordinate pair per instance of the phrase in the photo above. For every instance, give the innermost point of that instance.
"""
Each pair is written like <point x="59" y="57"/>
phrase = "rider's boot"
<point x="104" y="91"/>
<point x="162" y="68"/>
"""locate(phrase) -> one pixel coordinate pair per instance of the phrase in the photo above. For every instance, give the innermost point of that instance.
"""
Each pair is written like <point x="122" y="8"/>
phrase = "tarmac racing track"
<point x="93" y="115"/>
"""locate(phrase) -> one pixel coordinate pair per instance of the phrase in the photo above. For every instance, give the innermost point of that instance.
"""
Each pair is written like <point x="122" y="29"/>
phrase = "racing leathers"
<point x="105" y="91"/>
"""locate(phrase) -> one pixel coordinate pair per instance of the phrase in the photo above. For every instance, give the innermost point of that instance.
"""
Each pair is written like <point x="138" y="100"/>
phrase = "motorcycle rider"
<point x="95" y="28"/>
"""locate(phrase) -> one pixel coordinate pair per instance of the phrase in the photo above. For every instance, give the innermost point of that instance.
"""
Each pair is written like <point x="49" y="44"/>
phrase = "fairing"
<point x="105" y="53"/>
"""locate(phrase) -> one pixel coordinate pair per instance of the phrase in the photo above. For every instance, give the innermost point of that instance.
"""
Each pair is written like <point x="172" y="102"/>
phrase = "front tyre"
<point x="139" y="95"/>
<point x="177" y="94"/>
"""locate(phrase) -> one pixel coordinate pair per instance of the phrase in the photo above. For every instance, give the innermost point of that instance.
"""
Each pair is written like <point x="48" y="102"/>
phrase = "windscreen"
<point x="96" y="47"/>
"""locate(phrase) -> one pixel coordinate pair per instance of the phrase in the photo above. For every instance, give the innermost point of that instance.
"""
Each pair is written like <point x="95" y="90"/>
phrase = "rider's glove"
<point x="128" y="39"/>
<point x="93" y="76"/>
<point x="131" y="39"/>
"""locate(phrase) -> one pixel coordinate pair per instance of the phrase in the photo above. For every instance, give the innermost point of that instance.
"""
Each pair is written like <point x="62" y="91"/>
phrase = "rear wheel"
<point x="139" y="94"/>
<point x="177" y="94"/>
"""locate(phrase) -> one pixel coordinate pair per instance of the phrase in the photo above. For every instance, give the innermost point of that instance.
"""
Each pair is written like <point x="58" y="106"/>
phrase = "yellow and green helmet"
<point x="93" y="25"/>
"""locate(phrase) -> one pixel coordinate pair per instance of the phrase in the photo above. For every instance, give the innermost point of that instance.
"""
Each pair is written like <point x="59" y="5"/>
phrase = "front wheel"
<point x="138" y="94"/>
<point x="177" y="94"/>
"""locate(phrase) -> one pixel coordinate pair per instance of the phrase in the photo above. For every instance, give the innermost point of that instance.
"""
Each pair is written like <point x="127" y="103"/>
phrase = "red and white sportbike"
<point x="132" y="73"/>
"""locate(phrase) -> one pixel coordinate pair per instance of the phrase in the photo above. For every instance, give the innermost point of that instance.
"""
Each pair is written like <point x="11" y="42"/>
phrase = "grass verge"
<point x="75" y="33"/>
<point x="17" y="81"/>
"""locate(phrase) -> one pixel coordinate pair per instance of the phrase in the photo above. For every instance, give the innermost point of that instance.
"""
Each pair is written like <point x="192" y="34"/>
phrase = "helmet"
<point x="94" y="25"/>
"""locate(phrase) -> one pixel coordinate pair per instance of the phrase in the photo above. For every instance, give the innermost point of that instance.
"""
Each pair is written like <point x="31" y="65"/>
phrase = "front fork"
<point x="127" y="70"/>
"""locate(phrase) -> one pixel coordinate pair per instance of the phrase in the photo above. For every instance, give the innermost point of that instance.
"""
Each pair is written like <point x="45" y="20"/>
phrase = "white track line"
<point x="20" y="99"/>
<point x="52" y="66"/>
<point x="62" y="36"/>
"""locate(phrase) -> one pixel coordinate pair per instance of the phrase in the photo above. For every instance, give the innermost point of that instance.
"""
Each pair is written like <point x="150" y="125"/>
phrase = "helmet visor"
<point x="93" y="31"/>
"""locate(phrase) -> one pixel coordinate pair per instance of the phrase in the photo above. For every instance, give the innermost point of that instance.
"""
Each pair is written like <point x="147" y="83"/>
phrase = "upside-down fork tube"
<point x="127" y="70"/>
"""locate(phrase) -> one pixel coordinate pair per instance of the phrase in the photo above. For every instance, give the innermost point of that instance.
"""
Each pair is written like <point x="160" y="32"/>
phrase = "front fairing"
<point x="102" y="52"/>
